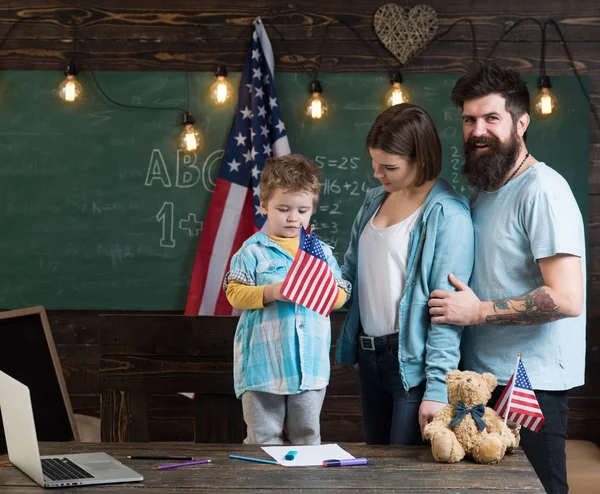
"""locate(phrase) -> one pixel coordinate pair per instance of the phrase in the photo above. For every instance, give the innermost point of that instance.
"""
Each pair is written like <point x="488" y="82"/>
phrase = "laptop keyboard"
<point x="63" y="469"/>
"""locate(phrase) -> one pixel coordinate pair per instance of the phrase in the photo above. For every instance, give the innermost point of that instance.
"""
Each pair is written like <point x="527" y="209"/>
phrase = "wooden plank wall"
<point x="156" y="35"/>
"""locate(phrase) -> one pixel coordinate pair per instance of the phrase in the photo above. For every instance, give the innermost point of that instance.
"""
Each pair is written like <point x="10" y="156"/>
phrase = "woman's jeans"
<point x="390" y="414"/>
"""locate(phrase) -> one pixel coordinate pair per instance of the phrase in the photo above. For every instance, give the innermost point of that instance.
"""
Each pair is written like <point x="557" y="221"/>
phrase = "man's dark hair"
<point x="485" y="78"/>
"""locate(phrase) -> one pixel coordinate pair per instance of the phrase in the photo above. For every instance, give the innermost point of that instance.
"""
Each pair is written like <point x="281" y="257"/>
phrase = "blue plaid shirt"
<point x="283" y="348"/>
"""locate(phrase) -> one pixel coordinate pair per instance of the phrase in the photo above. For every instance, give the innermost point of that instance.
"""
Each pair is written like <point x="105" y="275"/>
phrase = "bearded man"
<point x="527" y="291"/>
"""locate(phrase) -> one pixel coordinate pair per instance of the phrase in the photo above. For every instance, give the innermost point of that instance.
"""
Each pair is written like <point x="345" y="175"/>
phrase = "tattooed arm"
<point x="535" y="307"/>
<point x="560" y="296"/>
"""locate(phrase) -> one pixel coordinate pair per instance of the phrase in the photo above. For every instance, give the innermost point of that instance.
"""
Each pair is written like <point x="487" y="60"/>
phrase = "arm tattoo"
<point x="535" y="307"/>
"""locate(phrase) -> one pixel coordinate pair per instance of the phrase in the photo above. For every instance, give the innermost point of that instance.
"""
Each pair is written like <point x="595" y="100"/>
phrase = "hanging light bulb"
<point x="70" y="89"/>
<point x="545" y="101"/>
<point x="316" y="107"/>
<point x="191" y="140"/>
<point x="397" y="94"/>
<point x="220" y="91"/>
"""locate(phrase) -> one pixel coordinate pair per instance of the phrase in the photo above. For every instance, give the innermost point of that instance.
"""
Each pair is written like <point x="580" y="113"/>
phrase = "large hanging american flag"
<point x="234" y="213"/>
<point x="519" y="402"/>
<point x="309" y="281"/>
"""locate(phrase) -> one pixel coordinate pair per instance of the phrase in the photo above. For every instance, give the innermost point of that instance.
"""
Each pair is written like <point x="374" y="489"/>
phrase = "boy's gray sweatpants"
<point x="265" y="415"/>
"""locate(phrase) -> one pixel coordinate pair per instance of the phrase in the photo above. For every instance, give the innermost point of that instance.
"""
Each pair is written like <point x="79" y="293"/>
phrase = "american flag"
<point x="234" y="213"/>
<point x="309" y="281"/>
<point x="519" y="402"/>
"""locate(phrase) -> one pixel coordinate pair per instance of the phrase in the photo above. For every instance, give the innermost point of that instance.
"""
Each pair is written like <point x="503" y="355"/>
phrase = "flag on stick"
<point x="518" y="402"/>
<point x="309" y="281"/>
<point x="234" y="213"/>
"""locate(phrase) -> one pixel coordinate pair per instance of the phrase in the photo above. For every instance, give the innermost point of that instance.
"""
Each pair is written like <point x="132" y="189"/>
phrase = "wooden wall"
<point x="155" y="35"/>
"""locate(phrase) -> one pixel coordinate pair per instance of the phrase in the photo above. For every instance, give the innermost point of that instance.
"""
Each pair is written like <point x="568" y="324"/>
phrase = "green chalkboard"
<point x="98" y="210"/>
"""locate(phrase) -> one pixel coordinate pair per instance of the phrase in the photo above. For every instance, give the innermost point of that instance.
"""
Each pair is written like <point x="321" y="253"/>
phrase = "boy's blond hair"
<point x="291" y="173"/>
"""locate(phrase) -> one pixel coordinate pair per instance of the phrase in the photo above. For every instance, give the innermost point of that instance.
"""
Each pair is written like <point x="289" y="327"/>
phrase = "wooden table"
<point x="391" y="468"/>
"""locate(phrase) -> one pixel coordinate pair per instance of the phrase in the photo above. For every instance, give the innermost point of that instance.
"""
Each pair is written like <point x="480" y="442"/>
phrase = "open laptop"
<point x="56" y="470"/>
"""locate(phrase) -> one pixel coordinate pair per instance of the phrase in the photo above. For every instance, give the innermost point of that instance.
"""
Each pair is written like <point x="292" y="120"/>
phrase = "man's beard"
<point x="487" y="169"/>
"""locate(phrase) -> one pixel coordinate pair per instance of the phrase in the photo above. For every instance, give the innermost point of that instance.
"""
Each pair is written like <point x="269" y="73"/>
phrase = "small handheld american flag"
<point x="309" y="281"/>
<point x="518" y="403"/>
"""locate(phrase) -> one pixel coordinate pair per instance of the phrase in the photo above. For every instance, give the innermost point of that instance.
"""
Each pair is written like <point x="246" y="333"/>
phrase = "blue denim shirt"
<point x="441" y="243"/>
<point x="282" y="348"/>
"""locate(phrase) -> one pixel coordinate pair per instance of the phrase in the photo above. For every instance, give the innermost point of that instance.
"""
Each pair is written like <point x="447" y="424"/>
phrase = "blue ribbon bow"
<point x="476" y="412"/>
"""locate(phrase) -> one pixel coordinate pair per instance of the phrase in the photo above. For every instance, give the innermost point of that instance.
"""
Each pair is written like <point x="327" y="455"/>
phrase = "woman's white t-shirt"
<point x="382" y="263"/>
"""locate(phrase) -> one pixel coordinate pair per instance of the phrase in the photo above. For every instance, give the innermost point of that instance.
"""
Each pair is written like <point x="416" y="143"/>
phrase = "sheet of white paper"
<point x="307" y="455"/>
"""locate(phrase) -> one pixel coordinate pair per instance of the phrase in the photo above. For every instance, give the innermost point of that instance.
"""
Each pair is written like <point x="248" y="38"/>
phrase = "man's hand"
<point x="427" y="411"/>
<point x="272" y="293"/>
<point x="461" y="308"/>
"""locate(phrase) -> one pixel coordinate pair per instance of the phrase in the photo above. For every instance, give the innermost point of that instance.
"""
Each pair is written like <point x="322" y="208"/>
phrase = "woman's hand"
<point x="427" y="411"/>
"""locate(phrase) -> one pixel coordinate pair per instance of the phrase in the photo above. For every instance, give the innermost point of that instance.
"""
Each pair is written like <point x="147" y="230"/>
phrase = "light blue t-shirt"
<point x="533" y="216"/>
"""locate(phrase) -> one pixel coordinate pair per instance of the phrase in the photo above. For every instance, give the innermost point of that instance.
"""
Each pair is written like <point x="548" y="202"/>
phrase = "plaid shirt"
<point x="284" y="347"/>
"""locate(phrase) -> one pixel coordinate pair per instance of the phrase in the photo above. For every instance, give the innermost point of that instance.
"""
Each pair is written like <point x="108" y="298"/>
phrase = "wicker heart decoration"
<point x="405" y="32"/>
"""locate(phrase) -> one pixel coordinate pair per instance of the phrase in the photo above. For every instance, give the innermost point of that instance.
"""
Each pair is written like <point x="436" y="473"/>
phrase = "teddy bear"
<point x="466" y="427"/>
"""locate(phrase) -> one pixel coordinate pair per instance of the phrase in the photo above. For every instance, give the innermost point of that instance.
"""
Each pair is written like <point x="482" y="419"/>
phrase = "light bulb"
<point x="70" y="89"/>
<point x="316" y="106"/>
<point x="396" y="95"/>
<point x="191" y="140"/>
<point x="220" y="91"/>
<point x="545" y="102"/>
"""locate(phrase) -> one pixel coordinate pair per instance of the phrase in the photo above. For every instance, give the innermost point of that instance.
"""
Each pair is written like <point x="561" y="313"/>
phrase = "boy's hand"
<point x="272" y="293"/>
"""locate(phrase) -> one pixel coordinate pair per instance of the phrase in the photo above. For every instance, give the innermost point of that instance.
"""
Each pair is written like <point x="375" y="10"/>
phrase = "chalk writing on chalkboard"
<point x="187" y="174"/>
<point x="190" y="224"/>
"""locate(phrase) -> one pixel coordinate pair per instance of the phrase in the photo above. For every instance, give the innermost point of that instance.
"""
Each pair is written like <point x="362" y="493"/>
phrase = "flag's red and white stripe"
<point x="230" y="221"/>
<point x="310" y="283"/>
<point x="520" y="405"/>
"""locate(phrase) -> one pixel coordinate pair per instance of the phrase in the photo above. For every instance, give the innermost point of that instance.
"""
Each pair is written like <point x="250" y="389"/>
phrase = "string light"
<point x="191" y="140"/>
<point x="545" y="101"/>
<point x="70" y="89"/>
<point x="397" y="94"/>
<point x="544" y="104"/>
<point x="220" y="91"/>
<point x="316" y="106"/>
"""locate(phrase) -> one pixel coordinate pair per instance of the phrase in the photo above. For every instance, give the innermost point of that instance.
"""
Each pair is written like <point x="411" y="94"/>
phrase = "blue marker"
<point x="290" y="455"/>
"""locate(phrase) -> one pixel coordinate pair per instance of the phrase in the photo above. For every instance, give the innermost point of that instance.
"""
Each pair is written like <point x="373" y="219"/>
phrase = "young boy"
<point x="281" y="349"/>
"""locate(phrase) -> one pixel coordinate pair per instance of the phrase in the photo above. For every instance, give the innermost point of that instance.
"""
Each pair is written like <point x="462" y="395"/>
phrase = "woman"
<point x="409" y="235"/>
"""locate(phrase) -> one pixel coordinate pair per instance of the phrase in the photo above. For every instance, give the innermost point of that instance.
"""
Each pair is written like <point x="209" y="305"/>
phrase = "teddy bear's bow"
<point x="476" y="412"/>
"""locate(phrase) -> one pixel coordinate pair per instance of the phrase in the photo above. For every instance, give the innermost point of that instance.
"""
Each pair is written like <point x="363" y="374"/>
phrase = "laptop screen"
<point x="26" y="355"/>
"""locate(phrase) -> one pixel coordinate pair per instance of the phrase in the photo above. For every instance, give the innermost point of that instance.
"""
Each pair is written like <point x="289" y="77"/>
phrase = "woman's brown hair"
<point x="408" y="131"/>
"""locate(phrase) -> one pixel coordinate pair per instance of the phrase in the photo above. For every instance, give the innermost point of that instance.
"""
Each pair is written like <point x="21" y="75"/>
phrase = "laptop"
<point x="55" y="470"/>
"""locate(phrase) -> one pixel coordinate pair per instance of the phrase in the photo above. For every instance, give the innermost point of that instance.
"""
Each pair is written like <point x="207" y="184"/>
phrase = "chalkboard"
<point x="100" y="211"/>
<point x="28" y="354"/>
